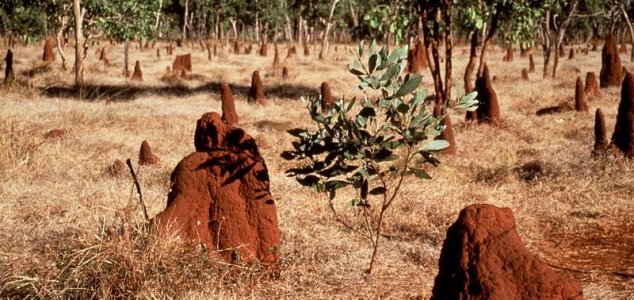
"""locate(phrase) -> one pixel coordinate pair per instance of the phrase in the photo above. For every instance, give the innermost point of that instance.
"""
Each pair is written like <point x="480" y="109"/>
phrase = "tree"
<point x="370" y="148"/>
<point x="79" y="60"/>
<point x="139" y="22"/>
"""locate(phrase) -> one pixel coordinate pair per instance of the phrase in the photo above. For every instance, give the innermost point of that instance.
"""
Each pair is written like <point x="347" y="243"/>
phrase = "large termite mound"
<point x="138" y="74"/>
<point x="611" y="70"/>
<point x="580" y="96"/>
<point x="483" y="257"/>
<point x="417" y="58"/>
<point x="229" y="114"/>
<point x="592" y="85"/>
<point x="601" y="144"/>
<point x="182" y="63"/>
<point x="220" y="196"/>
<point x="256" y="92"/>
<point x="326" y="97"/>
<point x="623" y="137"/>
<point x="48" y="55"/>
<point x="488" y="108"/>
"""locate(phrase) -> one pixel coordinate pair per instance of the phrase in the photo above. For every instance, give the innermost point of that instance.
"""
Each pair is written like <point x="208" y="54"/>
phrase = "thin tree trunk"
<point x="126" y="57"/>
<point x="631" y="29"/>
<point x="353" y="14"/>
<point x="473" y="57"/>
<point x="561" y="33"/>
<point x="60" y="39"/>
<point x="79" y="78"/>
<point x="546" y="45"/>
<point x="185" y="17"/>
<point x="487" y="41"/>
<point x="324" y="45"/>
<point x="157" y="26"/>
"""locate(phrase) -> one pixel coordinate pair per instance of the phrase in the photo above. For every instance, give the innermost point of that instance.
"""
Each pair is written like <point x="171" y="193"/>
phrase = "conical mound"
<point x="580" y="96"/>
<point x="611" y="70"/>
<point x="600" y="133"/>
<point x="229" y="114"/>
<point x="488" y="109"/>
<point x="623" y="137"/>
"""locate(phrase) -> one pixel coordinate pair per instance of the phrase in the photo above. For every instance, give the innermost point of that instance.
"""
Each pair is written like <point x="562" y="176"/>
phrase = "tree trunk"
<point x="324" y="45"/>
<point x="546" y="45"/>
<point x="185" y="17"/>
<point x="353" y="15"/>
<point x="473" y="57"/>
<point x="157" y="26"/>
<point x="631" y="29"/>
<point x="60" y="39"/>
<point x="79" y="78"/>
<point x="126" y="57"/>
<point x="561" y="32"/>
<point x="487" y="41"/>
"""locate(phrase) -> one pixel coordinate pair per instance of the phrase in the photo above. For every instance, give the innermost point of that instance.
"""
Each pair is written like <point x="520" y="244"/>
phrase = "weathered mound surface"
<point x="580" y="96"/>
<point x="229" y="114"/>
<point x="592" y="85"/>
<point x="488" y="109"/>
<point x="138" y="74"/>
<point x="182" y="63"/>
<point x="147" y="156"/>
<point x="48" y="55"/>
<point x="326" y="97"/>
<point x="417" y="58"/>
<point x="220" y="196"/>
<point x="600" y="134"/>
<point x="623" y="137"/>
<point x="117" y="169"/>
<point x="483" y="257"/>
<point x="256" y="92"/>
<point x="611" y="70"/>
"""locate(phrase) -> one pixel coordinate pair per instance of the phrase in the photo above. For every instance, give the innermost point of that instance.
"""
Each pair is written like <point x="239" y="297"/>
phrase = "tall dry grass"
<point x="70" y="230"/>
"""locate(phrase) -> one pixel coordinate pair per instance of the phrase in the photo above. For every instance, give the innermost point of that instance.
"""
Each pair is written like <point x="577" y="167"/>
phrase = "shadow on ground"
<point x="129" y="92"/>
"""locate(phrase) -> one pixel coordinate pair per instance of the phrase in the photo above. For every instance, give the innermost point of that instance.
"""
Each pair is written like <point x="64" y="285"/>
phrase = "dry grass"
<point x="69" y="230"/>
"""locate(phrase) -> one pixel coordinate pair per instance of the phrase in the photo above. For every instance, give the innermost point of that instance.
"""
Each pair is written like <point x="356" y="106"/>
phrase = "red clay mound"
<point x="562" y="50"/>
<point x="284" y="72"/>
<point x="182" y="63"/>
<point x="256" y="92"/>
<point x="146" y="156"/>
<point x="611" y="70"/>
<point x="229" y="114"/>
<point x="158" y="52"/>
<point x="571" y="54"/>
<point x="580" y="96"/>
<point x="138" y="74"/>
<point x="264" y="49"/>
<point x="483" y="257"/>
<point x="49" y="55"/>
<point x="417" y="58"/>
<point x="103" y="55"/>
<point x="623" y="137"/>
<point x="326" y="97"/>
<point x="531" y="63"/>
<point x="55" y="134"/>
<point x="592" y="85"/>
<point x="220" y="196"/>
<point x="8" y="69"/>
<point x="447" y="135"/>
<point x="488" y="109"/>
<point x="600" y="134"/>
<point x="525" y="74"/>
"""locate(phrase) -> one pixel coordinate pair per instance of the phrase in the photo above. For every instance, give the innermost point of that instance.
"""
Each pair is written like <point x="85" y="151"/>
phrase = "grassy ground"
<point x="69" y="229"/>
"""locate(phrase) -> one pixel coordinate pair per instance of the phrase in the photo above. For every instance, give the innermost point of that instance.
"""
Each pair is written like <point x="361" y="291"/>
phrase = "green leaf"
<point x="364" y="189"/>
<point x="373" y="62"/>
<point x="397" y="54"/>
<point x="391" y="72"/>
<point x="373" y="48"/>
<point x="409" y="86"/>
<point x="434" y="145"/>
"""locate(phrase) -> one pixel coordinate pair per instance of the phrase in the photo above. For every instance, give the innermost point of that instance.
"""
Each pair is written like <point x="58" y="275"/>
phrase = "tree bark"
<point x="487" y="40"/>
<point x="158" y="20"/>
<point x="79" y="77"/>
<point x="473" y="57"/>
<point x="185" y="17"/>
<point x="324" y="44"/>
<point x="630" y="28"/>
<point x="561" y="32"/>
<point x="126" y="57"/>
<point x="546" y="45"/>
<point x="60" y="39"/>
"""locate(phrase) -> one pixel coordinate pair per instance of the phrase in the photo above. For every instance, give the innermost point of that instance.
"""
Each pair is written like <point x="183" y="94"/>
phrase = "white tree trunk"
<point x="79" y="78"/>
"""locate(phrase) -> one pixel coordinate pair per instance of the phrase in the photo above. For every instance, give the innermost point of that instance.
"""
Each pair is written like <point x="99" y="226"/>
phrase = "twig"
<point x="138" y="189"/>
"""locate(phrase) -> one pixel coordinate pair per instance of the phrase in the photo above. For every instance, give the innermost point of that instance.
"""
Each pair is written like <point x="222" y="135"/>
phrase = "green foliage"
<point x="371" y="145"/>
<point x="124" y="20"/>
<point x="395" y="19"/>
